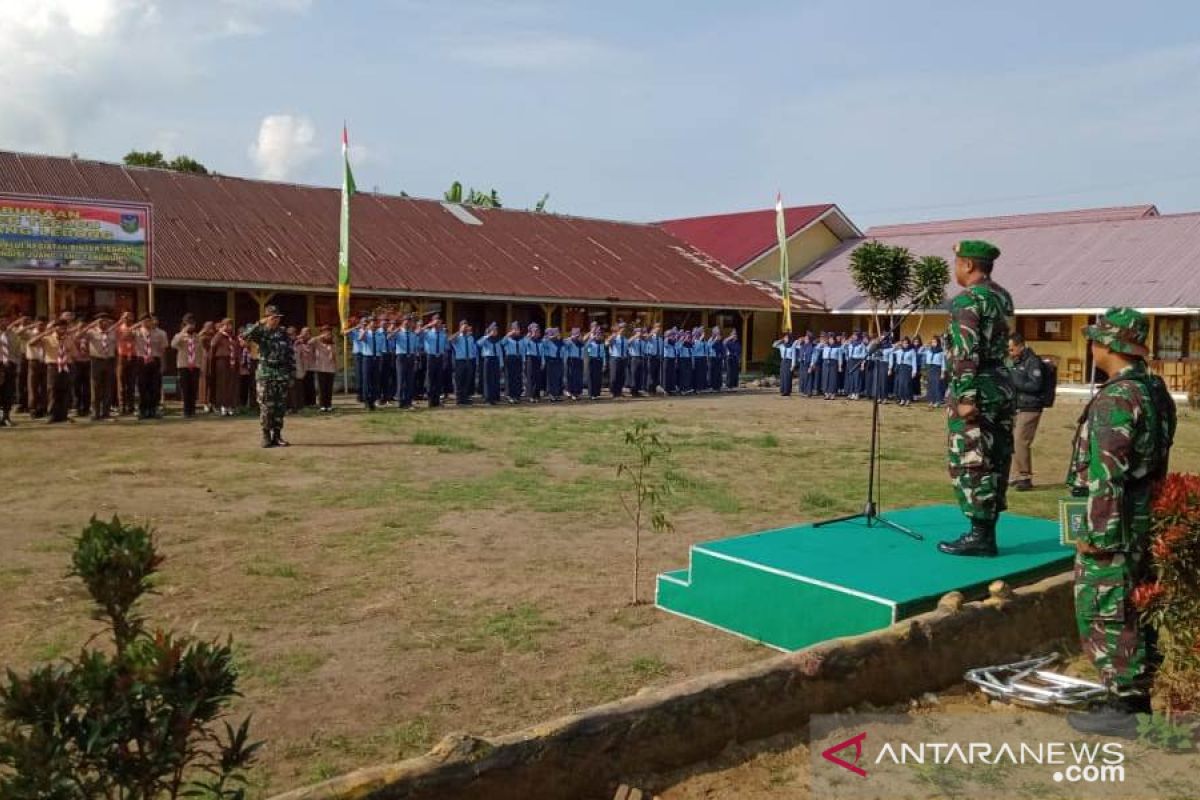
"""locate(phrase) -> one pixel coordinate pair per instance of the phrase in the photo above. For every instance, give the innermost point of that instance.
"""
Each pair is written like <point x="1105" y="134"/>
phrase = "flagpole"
<point x="785" y="287"/>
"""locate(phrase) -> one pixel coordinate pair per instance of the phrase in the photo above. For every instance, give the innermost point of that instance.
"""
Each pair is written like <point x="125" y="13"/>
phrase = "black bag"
<point x="1049" y="382"/>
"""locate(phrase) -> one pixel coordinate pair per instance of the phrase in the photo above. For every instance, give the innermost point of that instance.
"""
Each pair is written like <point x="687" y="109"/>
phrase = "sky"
<point x="634" y="110"/>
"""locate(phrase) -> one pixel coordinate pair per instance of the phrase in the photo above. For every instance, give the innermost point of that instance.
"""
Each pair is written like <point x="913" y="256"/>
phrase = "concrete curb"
<point x="587" y="754"/>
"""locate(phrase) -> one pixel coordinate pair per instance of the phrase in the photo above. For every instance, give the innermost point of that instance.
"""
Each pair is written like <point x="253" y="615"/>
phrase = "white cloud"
<point x="71" y="62"/>
<point x="284" y="145"/>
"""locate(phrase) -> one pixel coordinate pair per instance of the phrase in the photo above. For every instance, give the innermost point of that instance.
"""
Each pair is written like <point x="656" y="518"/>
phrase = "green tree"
<point x="930" y="275"/>
<point x="881" y="273"/>
<point x="141" y="720"/>
<point x="540" y="208"/>
<point x="643" y="494"/>
<point x="154" y="158"/>
<point x="454" y="194"/>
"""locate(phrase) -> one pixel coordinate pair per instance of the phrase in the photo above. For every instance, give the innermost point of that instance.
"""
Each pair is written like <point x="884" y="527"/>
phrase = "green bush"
<point x="141" y="720"/>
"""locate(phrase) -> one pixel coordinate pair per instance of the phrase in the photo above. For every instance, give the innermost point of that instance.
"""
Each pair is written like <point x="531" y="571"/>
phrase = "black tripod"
<point x="870" y="511"/>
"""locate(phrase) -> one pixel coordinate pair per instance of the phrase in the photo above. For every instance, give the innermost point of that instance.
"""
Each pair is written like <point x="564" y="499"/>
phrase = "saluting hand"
<point x="966" y="411"/>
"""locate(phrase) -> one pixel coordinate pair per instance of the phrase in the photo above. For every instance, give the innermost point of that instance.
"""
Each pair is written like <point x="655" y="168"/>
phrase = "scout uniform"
<point x="552" y="359"/>
<point x="596" y="353"/>
<point x="324" y="366"/>
<point x="186" y="345"/>
<point x="57" y="343"/>
<point x="531" y="362"/>
<point x="618" y="353"/>
<point x="300" y="357"/>
<point x="787" y="356"/>
<point x="8" y="370"/>
<point x="406" y="343"/>
<point x="151" y="343"/>
<point x="224" y="354"/>
<point x="511" y="347"/>
<point x="572" y="353"/>
<point x="436" y="345"/>
<point x="980" y="447"/>
<point x="1121" y="453"/>
<point x="274" y="376"/>
<point x="490" y="356"/>
<point x="733" y="360"/>
<point x="81" y="372"/>
<point x="466" y="354"/>
<point x="128" y="364"/>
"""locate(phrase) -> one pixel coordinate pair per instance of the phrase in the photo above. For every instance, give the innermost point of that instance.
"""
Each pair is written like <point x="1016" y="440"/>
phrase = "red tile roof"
<point x="1084" y="260"/>
<point x="215" y="229"/>
<point x="737" y="239"/>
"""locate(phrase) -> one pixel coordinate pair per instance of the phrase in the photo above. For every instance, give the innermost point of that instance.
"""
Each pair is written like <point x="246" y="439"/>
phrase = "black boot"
<point x="277" y="438"/>
<point x="1115" y="716"/>
<point x="979" y="541"/>
<point x="268" y="439"/>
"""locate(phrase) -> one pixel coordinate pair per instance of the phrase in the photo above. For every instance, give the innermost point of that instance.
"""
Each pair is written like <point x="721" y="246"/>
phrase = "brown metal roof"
<point x="215" y="229"/>
<point x="1145" y="261"/>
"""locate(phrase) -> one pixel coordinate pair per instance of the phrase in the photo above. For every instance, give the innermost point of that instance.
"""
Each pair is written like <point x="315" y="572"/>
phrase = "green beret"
<point x="977" y="248"/>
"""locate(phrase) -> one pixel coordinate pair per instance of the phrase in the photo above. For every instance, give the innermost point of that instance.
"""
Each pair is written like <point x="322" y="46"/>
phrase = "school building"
<point x="1062" y="269"/>
<point x="89" y="236"/>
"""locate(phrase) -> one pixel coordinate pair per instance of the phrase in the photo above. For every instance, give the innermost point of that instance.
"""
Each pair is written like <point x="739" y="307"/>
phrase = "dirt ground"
<point x="396" y="576"/>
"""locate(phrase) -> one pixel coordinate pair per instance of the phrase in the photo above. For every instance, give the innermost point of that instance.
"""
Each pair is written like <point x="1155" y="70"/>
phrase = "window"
<point x="1045" y="329"/>
<point x="1174" y="337"/>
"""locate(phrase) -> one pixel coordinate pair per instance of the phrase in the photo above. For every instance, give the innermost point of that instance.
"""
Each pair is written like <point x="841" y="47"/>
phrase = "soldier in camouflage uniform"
<point x="276" y="365"/>
<point x="982" y="400"/>
<point x="1121" y="451"/>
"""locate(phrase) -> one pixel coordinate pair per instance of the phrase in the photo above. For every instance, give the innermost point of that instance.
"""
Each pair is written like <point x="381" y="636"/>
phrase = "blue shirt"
<point x="366" y="342"/>
<point x="595" y="349"/>
<point x="637" y="348"/>
<point x="356" y="348"/>
<point x="937" y="358"/>
<point x="858" y="350"/>
<point x="551" y="349"/>
<point x="716" y="348"/>
<point x="404" y="343"/>
<point x="733" y="348"/>
<point x="510" y="346"/>
<point x="531" y="348"/>
<point x="489" y="348"/>
<point x="834" y="352"/>
<point x="670" y="349"/>
<point x="618" y="346"/>
<point x="572" y="350"/>
<point x="465" y="348"/>
<point x="381" y="342"/>
<point x="907" y="358"/>
<point x="787" y="352"/>
<point x="435" y="342"/>
<point x="652" y="346"/>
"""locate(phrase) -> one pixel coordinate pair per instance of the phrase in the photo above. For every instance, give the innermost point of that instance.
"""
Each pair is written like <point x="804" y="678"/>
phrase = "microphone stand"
<point x="870" y="512"/>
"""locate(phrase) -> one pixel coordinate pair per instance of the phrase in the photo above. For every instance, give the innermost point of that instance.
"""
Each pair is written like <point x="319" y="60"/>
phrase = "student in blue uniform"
<point x="904" y="360"/>
<point x="370" y="365"/>
<point x="786" y="346"/>
<point x="888" y="389"/>
<point x="699" y="361"/>
<point x="935" y="373"/>
<point x="670" y="362"/>
<point x="514" y="376"/>
<point x="856" y="354"/>
<point x="652" y="350"/>
<point x="716" y="359"/>
<point x="490" y="357"/>
<point x="596" y="353"/>
<point x="437" y="345"/>
<point x="683" y="362"/>
<point x="572" y="354"/>
<point x="803" y="357"/>
<point x="419" y="360"/>
<point x="919" y="373"/>
<point x="832" y="366"/>
<point x="466" y="353"/>
<point x="531" y="361"/>
<point x="552" y="364"/>
<point x="618" y="352"/>
<point x="405" y="345"/>
<point x="356" y="349"/>
<point x="733" y="360"/>
<point x="637" y="362"/>
<point x="386" y="389"/>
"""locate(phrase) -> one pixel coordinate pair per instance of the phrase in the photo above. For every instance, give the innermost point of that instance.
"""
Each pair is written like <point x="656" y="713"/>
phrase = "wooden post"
<point x="548" y="310"/>
<point x="449" y="315"/>
<point x="704" y="320"/>
<point x="507" y="315"/>
<point x="52" y="311"/>
<point x="262" y="298"/>
<point x="612" y="318"/>
<point x="230" y="303"/>
<point x="745" y="339"/>
<point x="150" y="297"/>
<point x="310" y="310"/>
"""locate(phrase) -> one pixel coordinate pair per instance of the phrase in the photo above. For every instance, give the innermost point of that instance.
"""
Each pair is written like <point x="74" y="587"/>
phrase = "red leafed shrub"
<point x="1171" y="600"/>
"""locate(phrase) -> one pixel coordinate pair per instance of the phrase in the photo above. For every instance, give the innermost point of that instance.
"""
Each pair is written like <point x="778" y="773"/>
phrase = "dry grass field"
<point x="396" y="576"/>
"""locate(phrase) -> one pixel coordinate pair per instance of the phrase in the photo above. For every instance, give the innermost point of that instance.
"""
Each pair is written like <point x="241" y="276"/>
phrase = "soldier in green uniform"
<point x="982" y="399"/>
<point x="1121" y="451"/>
<point x="276" y="365"/>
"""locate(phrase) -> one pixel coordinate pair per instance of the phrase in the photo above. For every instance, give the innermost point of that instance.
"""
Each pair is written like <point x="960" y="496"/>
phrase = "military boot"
<point x="979" y="541"/>
<point x="277" y="438"/>
<point x="268" y="439"/>
<point x="1115" y="716"/>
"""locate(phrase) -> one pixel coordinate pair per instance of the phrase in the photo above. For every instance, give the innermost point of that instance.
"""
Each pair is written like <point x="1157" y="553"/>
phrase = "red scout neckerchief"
<point x="4" y="347"/>
<point x="191" y="351"/>
<point x="233" y="351"/>
<point x="62" y="353"/>
<point x="147" y="353"/>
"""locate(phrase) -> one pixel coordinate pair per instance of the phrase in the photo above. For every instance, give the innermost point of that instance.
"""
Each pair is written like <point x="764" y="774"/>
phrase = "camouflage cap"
<point x="273" y="311"/>
<point x="977" y="248"/>
<point x="1122" y="330"/>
